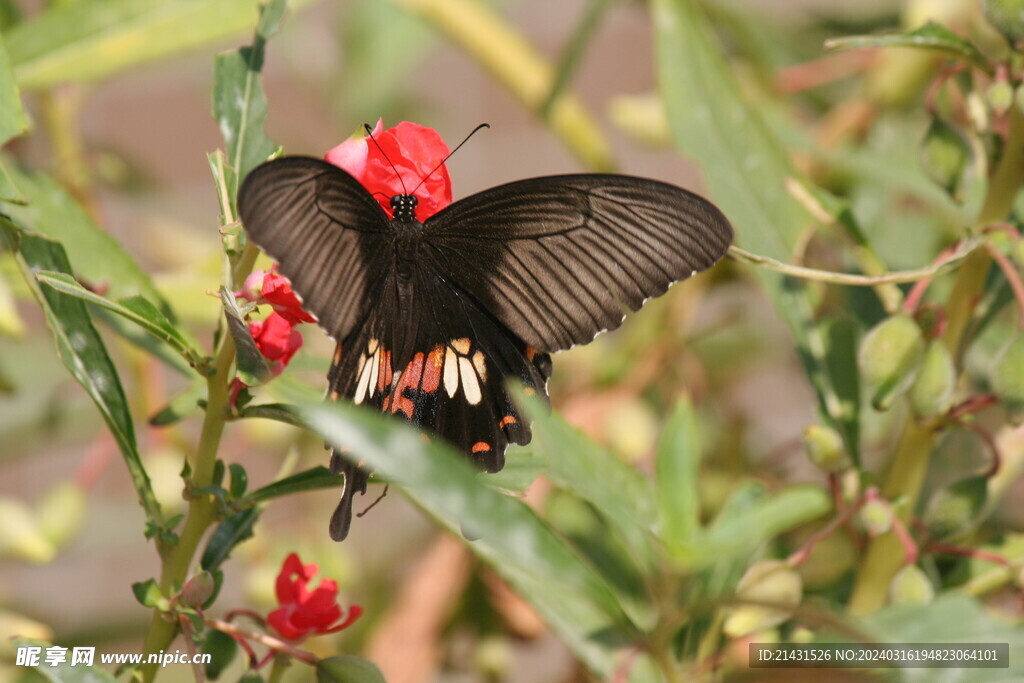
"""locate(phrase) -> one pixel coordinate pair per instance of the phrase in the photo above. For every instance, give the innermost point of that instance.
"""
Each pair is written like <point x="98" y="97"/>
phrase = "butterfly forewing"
<point x="560" y="259"/>
<point x="328" y="234"/>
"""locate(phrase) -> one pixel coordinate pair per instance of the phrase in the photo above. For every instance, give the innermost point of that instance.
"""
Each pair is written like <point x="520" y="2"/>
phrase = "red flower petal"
<point x="276" y="339"/>
<point x="399" y="160"/>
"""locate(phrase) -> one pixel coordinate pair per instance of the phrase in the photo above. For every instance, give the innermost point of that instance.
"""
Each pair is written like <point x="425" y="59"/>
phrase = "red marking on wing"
<point x="385" y="373"/>
<point x="480" y="447"/>
<point x="432" y="370"/>
<point x="507" y="420"/>
<point x="410" y="379"/>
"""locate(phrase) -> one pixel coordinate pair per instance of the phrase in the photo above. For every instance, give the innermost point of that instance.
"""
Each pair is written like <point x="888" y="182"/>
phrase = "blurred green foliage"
<point x="664" y="531"/>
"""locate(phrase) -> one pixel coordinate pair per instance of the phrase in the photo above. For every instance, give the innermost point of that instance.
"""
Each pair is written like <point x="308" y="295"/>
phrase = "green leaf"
<point x="222" y="649"/>
<point x="239" y="480"/>
<point x="148" y="593"/>
<point x="12" y="117"/>
<point x="252" y="367"/>
<point x="81" y="349"/>
<point x="735" y="535"/>
<point x="137" y="309"/>
<point x="621" y="493"/>
<point x="239" y="105"/>
<point x="931" y="36"/>
<point x="309" y="480"/>
<point x="181" y="406"/>
<point x="229" y="533"/>
<point x="85" y="41"/>
<point x="348" y="669"/>
<point x="96" y="257"/>
<point x="744" y="166"/>
<point x="61" y="673"/>
<point x="574" y="599"/>
<point x="950" y="618"/>
<point x="677" y="479"/>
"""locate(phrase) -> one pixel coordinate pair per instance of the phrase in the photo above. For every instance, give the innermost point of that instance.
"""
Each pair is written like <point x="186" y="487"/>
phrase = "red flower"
<point x="414" y="150"/>
<point x="304" y="612"/>
<point x="277" y="339"/>
<point x="270" y="287"/>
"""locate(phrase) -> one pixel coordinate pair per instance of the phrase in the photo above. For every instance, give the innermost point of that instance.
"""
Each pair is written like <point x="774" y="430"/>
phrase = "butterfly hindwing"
<point x="442" y="365"/>
<point x="562" y="258"/>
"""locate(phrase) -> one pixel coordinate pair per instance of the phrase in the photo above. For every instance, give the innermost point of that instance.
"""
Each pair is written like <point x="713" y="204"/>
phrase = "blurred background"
<point x="432" y="611"/>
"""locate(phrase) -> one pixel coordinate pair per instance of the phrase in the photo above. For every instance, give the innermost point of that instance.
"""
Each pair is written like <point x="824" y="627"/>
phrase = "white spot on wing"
<point x="470" y="385"/>
<point x="374" y="369"/>
<point x="364" y="380"/>
<point x="451" y="372"/>
<point x="481" y="365"/>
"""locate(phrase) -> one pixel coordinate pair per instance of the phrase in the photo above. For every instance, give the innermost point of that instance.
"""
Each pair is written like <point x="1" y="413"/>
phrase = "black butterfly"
<point x="431" y="318"/>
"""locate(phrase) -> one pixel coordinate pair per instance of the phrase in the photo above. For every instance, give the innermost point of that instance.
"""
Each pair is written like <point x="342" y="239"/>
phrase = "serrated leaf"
<point x="931" y="36"/>
<point x="81" y="349"/>
<point x="239" y="105"/>
<point x="86" y="41"/>
<point x="136" y="309"/>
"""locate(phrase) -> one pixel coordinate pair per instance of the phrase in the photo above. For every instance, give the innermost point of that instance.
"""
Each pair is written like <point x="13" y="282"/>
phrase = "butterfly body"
<point x="432" y="318"/>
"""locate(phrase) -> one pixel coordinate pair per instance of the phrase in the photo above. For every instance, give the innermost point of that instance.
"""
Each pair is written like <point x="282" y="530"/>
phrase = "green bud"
<point x="931" y="394"/>
<point x="1007" y="377"/>
<point x="765" y="581"/>
<point x="825" y="448"/>
<point x="1000" y="97"/>
<point x="198" y="589"/>
<point x="876" y="517"/>
<point x="830" y="559"/>
<point x="944" y="154"/>
<point x="954" y="510"/>
<point x="889" y="358"/>
<point x="911" y="586"/>
<point x="1006" y="16"/>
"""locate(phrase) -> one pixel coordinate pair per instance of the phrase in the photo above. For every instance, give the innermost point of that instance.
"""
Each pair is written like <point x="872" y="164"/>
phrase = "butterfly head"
<point x="403" y="207"/>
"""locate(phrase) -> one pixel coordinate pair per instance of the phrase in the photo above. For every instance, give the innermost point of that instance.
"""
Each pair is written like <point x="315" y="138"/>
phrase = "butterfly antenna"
<point x="449" y="155"/>
<point x="369" y="134"/>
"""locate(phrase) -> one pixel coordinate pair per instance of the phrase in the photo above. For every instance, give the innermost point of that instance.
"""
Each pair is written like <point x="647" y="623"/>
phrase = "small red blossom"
<point x="414" y="150"/>
<point x="277" y="339"/>
<point x="270" y="287"/>
<point x="304" y="612"/>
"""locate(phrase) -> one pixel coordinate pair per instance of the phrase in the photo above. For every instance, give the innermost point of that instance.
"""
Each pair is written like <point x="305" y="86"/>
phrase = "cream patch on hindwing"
<point x="369" y="369"/>
<point x="462" y="369"/>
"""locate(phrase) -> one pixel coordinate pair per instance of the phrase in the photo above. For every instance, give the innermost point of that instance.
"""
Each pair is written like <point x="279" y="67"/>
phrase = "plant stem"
<point x="202" y="511"/>
<point x="909" y="466"/>
<point x="520" y="68"/>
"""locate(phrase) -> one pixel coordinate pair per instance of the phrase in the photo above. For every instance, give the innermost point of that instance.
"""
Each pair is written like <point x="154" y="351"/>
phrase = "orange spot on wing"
<point x="507" y="420"/>
<point x="432" y="370"/>
<point x="337" y="354"/>
<point x="531" y="353"/>
<point x="480" y="447"/>
<point x="385" y="374"/>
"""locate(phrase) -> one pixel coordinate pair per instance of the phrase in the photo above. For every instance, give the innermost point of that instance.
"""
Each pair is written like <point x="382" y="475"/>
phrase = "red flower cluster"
<point x="413" y="151"/>
<point x="276" y="336"/>
<point x="304" y="612"/>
